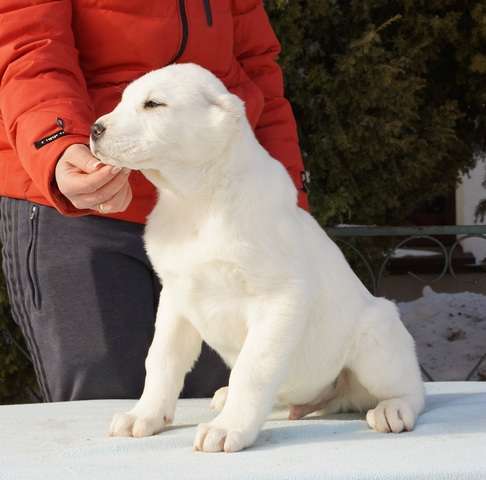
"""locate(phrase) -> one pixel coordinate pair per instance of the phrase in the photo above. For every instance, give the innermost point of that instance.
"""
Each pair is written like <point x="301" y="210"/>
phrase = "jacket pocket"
<point x="31" y="262"/>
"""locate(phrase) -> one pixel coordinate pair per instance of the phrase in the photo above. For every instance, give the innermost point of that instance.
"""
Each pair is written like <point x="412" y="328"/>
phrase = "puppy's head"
<point x="176" y="119"/>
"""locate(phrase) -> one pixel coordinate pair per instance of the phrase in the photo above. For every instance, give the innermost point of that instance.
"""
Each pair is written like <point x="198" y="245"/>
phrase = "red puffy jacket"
<point x="71" y="59"/>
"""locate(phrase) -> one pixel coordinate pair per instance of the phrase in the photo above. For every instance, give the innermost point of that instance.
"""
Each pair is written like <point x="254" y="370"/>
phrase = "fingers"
<point x="119" y="202"/>
<point x="115" y="196"/>
<point x="78" y="158"/>
<point x="104" y="193"/>
<point x="82" y="159"/>
<point x="87" y="182"/>
<point x="81" y="183"/>
<point x="79" y="173"/>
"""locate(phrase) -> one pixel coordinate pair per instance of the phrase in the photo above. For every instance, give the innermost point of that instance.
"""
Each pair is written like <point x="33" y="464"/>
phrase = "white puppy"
<point x="248" y="271"/>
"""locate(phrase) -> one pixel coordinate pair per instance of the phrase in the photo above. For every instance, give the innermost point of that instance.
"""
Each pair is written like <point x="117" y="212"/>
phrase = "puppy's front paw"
<point x="216" y="437"/>
<point x="393" y="415"/>
<point x="130" y="425"/>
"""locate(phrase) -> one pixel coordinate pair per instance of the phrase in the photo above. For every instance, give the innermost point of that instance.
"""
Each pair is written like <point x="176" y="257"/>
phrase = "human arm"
<point x="257" y="49"/>
<point x="44" y="103"/>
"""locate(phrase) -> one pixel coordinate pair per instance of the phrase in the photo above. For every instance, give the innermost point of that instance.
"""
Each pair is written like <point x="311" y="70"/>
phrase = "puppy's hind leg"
<point x="385" y="363"/>
<point x="346" y="394"/>
<point x="219" y="399"/>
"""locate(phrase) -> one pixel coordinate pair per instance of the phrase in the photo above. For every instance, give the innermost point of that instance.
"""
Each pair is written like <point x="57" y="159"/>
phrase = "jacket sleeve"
<point x="257" y="49"/>
<point x="41" y="82"/>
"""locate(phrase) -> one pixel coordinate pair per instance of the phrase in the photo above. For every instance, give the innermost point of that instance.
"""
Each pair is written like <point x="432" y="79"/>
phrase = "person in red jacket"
<point x="81" y="287"/>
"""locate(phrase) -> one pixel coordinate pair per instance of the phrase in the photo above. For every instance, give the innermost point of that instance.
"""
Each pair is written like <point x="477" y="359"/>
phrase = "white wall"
<point x="468" y="195"/>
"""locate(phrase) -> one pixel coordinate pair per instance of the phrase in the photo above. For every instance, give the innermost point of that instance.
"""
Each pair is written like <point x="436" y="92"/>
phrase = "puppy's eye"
<point x="151" y="104"/>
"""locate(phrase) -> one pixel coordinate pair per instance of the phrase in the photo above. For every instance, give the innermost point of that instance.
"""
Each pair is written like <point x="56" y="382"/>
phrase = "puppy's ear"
<point x="227" y="104"/>
<point x="231" y="104"/>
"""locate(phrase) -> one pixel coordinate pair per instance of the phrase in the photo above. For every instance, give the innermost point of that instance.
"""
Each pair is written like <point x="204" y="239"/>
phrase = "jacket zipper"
<point x="209" y="13"/>
<point x="185" y="30"/>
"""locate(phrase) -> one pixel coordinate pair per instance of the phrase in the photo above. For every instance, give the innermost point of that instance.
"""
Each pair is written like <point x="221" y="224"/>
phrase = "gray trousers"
<point x="84" y="295"/>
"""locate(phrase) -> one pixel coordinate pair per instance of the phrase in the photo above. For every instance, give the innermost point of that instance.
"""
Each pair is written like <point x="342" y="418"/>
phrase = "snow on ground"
<point x="450" y="332"/>
<point x="411" y="252"/>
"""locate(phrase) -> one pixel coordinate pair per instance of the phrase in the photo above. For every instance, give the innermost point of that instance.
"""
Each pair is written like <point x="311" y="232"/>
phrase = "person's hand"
<point x="89" y="184"/>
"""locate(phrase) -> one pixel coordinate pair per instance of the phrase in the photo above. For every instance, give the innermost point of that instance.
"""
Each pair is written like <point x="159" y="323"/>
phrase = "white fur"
<point x="249" y="272"/>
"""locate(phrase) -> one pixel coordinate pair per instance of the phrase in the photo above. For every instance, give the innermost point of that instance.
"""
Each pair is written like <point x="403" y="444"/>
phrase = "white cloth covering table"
<point x="68" y="440"/>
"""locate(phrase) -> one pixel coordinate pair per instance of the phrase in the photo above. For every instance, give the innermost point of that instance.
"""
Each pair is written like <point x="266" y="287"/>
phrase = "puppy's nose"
<point x="97" y="130"/>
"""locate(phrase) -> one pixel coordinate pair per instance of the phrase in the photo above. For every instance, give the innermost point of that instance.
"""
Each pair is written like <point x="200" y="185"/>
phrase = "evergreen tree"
<point x="389" y="97"/>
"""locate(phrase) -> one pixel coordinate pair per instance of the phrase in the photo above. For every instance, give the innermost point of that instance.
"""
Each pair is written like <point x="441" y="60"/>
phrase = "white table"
<point x="69" y="441"/>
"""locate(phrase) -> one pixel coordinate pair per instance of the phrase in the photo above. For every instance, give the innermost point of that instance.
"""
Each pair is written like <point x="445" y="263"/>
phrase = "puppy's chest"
<point x="213" y="287"/>
<point x="214" y="296"/>
<point x="209" y="281"/>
